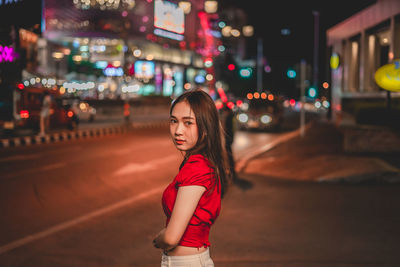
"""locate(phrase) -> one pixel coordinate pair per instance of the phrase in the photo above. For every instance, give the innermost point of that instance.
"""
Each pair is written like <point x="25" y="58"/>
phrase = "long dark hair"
<point x="211" y="140"/>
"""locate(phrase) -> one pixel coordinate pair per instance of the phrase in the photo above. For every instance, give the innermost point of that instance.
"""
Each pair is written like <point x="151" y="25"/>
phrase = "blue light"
<point x="199" y="79"/>
<point x="100" y="64"/>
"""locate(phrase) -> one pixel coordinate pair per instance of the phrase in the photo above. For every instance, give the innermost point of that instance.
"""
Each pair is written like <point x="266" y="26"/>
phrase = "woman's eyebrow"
<point x="184" y="118"/>
<point x="188" y="118"/>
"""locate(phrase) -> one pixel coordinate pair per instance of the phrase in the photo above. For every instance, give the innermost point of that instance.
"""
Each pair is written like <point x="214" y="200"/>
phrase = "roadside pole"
<point x="259" y="64"/>
<point x="302" y="96"/>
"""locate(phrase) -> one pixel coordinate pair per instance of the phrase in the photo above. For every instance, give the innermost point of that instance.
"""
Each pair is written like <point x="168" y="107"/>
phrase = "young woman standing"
<point x="192" y="201"/>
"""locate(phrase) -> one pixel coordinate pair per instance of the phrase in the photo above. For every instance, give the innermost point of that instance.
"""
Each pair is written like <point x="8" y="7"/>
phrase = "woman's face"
<point x="183" y="126"/>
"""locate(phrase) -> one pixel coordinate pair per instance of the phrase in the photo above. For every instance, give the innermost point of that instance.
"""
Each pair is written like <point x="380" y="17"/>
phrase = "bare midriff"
<point x="185" y="251"/>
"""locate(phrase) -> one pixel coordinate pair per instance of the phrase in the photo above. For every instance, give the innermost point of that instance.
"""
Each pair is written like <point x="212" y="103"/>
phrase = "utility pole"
<point x="316" y="48"/>
<point x="302" y="96"/>
<point x="259" y="64"/>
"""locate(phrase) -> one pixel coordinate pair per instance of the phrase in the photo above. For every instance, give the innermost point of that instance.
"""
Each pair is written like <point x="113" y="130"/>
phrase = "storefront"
<point x="359" y="46"/>
<point x="124" y="51"/>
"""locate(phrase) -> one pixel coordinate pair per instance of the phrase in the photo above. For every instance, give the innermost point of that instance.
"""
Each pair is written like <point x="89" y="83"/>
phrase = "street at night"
<point x="199" y="133"/>
<point x="96" y="202"/>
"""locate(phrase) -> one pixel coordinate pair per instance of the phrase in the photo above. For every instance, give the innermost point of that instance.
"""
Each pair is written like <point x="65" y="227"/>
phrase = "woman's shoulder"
<point x="197" y="164"/>
<point x="198" y="160"/>
<point x="197" y="170"/>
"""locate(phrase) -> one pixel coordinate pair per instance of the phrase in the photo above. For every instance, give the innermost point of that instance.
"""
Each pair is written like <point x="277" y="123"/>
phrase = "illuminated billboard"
<point x="169" y="18"/>
<point x="144" y="69"/>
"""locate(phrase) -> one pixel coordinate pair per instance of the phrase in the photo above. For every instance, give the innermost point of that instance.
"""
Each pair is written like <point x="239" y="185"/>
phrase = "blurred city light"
<point x="186" y="6"/>
<point x="210" y="6"/>
<point x="248" y="30"/>
<point x="285" y="31"/>
<point x="291" y="73"/>
<point x="231" y="67"/>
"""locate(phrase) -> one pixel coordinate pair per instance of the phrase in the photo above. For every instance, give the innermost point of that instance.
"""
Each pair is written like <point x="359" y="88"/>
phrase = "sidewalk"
<point x="85" y="130"/>
<point x="319" y="156"/>
<point x="306" y="203"/>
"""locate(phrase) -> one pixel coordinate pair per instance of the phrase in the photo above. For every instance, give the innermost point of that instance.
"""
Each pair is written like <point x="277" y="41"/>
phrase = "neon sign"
<point x="388" y="76"/>
<point x="7" y="54"/>
<point x="169" y="20"/>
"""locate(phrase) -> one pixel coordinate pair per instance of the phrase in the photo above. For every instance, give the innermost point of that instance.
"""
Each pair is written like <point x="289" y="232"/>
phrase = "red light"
<point x="24" y="114"/>
<point x="219" y="105"/>
<point x="292" y="102"/>
<point x="70" y="114"/>
<point x="230" y="105"/>
<point x="239" y="103"/>
<point x="222" y="94"/>
<point x="20" y="86"/>
<point x="231" y="67"/>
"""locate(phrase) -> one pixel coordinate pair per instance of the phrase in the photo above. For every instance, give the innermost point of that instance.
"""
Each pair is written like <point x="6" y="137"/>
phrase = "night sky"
<point x="284" y="51"/>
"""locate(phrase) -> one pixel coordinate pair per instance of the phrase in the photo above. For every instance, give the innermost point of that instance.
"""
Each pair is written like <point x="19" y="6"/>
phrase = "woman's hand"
<point x="185" y="204"/>
<point x="157" y="243"/>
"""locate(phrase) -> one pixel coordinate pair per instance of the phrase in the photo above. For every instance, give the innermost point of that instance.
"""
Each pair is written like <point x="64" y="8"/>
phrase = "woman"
<point x="192" y="201"/>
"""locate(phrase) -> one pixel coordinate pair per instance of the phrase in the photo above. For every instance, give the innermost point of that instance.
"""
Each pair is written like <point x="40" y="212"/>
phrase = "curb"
<point x="386" y="177"/>
<point x="242" y="163"/>
<point x="77" y="134"/>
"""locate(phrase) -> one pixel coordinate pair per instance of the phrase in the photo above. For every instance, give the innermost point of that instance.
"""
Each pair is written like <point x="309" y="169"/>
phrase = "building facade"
<point x="357" y="47"/>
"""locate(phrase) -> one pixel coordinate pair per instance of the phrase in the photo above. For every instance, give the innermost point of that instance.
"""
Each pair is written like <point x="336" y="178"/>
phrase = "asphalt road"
<point x="97" y="202"/>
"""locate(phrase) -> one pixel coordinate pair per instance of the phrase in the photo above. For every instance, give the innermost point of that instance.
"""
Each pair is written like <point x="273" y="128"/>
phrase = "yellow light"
<point x="263" y="95"/>
<point x="77" y="58"/>
<point x="249" y="96"/>
<point x="210" y="6"/>
<point x="334" y="62"/>
<point x="137" y="52"/>
<point x="226" y="31"/>
<point x="186" y="6"/>
<point x="271" y="97"/>
<point x="58" y="55"/>
<point x="248" y="30"/>
<point x="235" y="33"/>
<point x="256" y="95"/>
<point x="388" y="75"/>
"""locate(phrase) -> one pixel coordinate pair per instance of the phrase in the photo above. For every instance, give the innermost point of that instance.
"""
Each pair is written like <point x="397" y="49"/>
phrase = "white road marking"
<point x="53" y="166"/>
<point x="20" y="157"/>
<point x="68" y="224"/>
<point x="140" y="167"/>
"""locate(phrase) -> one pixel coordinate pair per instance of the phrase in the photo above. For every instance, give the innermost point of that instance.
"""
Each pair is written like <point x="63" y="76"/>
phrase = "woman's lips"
<point x="179" y="142"/>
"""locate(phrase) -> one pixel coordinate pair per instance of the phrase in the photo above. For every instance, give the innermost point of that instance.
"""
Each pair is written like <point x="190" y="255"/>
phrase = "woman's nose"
<point x="179" y="129"/>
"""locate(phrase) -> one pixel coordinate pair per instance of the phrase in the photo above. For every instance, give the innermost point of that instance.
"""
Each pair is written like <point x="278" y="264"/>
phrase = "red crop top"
<point x="196" y="171"/>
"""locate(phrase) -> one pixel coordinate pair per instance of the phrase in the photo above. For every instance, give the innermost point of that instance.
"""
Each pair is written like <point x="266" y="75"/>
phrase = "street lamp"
<point x="77" y="59"/>
<point x="57" y="56"/>
<point x="210" y="6"/>
<point x="186" y="6"/>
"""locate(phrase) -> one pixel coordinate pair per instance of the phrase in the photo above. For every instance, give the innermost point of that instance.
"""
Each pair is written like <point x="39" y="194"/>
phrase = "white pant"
<point x="198" y="260"/>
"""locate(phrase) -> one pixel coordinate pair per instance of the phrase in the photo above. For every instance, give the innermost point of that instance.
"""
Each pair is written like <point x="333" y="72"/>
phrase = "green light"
<point x="312" y="92"/>
<point x="291" y="73"/>
<point x="245" y="72"/>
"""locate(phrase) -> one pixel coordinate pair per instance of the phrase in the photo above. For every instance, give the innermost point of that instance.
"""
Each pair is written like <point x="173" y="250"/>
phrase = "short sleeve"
<point x="196" y="171"/>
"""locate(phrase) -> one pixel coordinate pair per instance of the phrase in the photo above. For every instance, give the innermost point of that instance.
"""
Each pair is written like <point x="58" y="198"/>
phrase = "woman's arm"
<point x="185" y="204"/>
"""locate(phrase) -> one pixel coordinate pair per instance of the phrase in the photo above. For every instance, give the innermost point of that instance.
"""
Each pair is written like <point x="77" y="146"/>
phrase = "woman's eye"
<point x="188" y="122"/>
<point x="172" y="121"/>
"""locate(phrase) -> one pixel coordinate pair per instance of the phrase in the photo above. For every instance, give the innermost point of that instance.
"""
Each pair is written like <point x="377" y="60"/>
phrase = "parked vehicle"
<point x="26" y="106"/>
<point x="260" y="114"/>
<point x="82" y="109"/>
